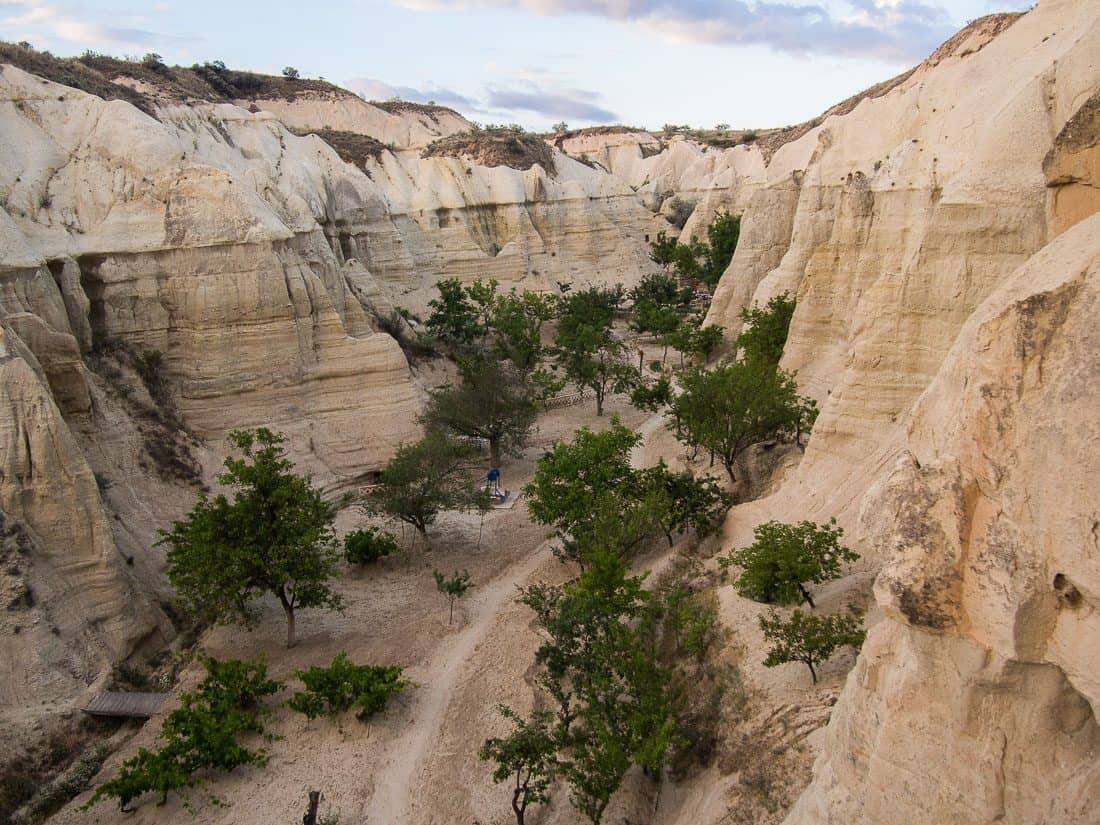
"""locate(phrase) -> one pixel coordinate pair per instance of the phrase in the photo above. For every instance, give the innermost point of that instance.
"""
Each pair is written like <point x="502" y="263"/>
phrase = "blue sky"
<point x="749" y="63"/>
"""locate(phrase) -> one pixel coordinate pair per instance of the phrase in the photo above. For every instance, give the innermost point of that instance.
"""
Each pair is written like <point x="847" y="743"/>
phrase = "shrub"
<point x="148" y="364"/>
<point x="200" y="735"/>
<point x="290" y="73"/>
<point x="368" y="546"/>
<point x="342" y="686"/>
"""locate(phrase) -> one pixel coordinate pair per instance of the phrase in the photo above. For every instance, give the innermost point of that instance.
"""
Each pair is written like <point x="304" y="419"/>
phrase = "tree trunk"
<point x="806" y="595"/>
<point x="599" y="403"/>
<point x="813" y="673"/>
<point x="517" y="805"/>
<point x="451" y="615"/>
<point x="728" y="464"/>
<point x="494" y="450"/>
<point x="311" y="813"/>
<point x="289" y="623"/>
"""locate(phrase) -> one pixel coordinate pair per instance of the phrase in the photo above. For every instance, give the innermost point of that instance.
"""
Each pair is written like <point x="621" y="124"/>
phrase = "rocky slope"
<point x="940" y="243"/>
<point x="262" y="264"/>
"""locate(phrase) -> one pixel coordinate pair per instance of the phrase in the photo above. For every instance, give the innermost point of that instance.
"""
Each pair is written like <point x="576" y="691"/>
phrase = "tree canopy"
<point x="764" y="334"/>
<point x="784" y="558"/>
<point x="494" y="401"/>
<point x="809" y="639"/>
<point x="615" y="707"/>
<point x="527" y="757"/>
<point x="736" y="404"/>
<point x="425" y="478"/>
<point x="274" y="537"/>
<point x="587" y="350"/>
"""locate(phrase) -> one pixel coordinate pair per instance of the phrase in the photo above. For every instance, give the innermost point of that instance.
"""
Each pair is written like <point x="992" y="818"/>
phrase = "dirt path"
<point x="396" y="782"/>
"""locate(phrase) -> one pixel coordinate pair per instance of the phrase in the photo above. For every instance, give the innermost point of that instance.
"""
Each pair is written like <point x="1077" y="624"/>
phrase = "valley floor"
<point x="416" y="762"/>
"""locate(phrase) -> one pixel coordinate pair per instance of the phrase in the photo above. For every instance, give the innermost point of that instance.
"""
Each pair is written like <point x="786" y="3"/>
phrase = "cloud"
<point x="578" y="104"/>
<point x="372" y="89"/>
<point x="522" y="94"/>
<point x="73" y="24"/>
<point x="890" y="30"/>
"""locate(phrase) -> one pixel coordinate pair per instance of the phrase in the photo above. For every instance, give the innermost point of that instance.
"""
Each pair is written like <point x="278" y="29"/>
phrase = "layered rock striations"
<point x="942" y="242"/>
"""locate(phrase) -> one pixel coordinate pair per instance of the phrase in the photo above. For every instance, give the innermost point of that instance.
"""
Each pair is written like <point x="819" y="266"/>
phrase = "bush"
<point x="368" y="546"/>
<point x="290" y="73"/>
<point x="148" y="364"/>
<point x="200" y="735"/>
<point x="342" y="686"/>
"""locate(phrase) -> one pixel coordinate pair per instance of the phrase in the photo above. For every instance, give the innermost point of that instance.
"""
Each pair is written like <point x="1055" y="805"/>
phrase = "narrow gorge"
<point x="187" y="253"/>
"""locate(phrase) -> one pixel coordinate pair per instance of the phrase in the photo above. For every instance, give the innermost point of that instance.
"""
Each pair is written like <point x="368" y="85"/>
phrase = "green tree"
<point x="660" y="289"/>
<point x="290" y="73"/>
<point x="454" y="587"/>
<point x="368" y="546"/>
<point x="516" y="327"/>
<point x="424" y="479"/>
<point x="694" y="503"/>
<point x="342" y="686"/>
<point x="494" y="402"/>
<point x="596" y="362"/>
<point x="454" y="318"/>
<point x="588" y="490"/>
<point x="784" y="558"/>
<point x="764" y="333"/>
<point x="723" y="233"/>
<point x="652" y="397"/>
<point x="200" y="735"/>
<point x="663" y="250"/>
<point x="527" y="756"/>
<point x="809" y="639"/>
<point x="698" y="261"/>
<point x="586" y="349"/>
<point x="275" y="536"/>
<point x="615" y="707"/>
<point x="733" y="406"/>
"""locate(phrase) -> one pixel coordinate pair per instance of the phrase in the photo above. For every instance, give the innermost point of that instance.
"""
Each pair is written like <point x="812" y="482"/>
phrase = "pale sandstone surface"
<point x="346" y="112"/>
<point x="976" y="700"/>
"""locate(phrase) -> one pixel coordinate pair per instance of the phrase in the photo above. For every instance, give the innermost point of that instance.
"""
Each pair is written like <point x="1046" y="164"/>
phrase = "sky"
<point x="746" y="63"/>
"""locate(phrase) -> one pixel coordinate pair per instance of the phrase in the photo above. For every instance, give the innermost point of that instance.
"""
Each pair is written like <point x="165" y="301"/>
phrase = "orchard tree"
<point x="764" y="333"/>
<point x="515" y="327"/>
<point x="596" y="361"/>
<point x="275" y="537"/>
<point x="652" y="397"/>
<point x="615" y="707"/>
<point x="454" y="321"/>
<point x="809" y="639"/>
<point x="453" y="587"/>
<point x="424" y="479"/>
<point x="528" y="756"/>
<point x="589" y="491"/>
<point x="586" y="350"/>
<point x="494" y="401"/>
<point x="784" y="558"/>
<point x="698" y="504"/>
<point x="733" y="406"/>
<point x="477" y="321"/>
